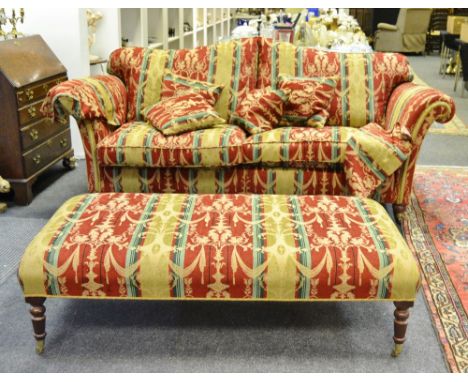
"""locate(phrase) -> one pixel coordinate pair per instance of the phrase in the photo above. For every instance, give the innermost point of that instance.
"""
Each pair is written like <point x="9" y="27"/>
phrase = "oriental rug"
<point x="436" y="228"/>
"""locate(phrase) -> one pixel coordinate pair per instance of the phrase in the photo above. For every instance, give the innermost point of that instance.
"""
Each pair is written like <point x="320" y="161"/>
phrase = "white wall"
<point x="65" y="31"/>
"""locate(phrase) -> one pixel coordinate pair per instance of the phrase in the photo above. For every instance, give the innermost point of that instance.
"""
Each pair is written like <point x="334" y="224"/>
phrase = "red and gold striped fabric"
<point x="298" y="146"/>
<point x="232" y="64"/>
<point x="186" y="112"/>
<point x="308" y="102"/>
<point x="87" y="99"/>
<point x="364" y="81"/>
<point x="372" y="155"/>
<point x="174" y="85"/>
<point x="246" y="247"/>
<point x="260" y="110"/>
<point x="141" y="145"/>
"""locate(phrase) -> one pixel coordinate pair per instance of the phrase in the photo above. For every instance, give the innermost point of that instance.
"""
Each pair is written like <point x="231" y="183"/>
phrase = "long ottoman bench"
<point x="220" y="247"/>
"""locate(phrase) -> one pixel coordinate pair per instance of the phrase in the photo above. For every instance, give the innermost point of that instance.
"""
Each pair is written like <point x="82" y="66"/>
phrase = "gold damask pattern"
<point x="256" y="247"/>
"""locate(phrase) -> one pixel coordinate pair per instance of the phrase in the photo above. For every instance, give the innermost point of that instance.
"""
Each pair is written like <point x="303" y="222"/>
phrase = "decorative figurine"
<point x="93" y="18"/>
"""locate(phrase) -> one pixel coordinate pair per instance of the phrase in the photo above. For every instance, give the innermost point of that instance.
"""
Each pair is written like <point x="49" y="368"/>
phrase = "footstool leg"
<point x="38" y="321"/>
<point x="400" y="324"/>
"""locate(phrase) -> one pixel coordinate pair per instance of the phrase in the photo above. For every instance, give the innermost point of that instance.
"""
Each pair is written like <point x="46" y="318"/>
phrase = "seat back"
<point x="232" y="63"/>
<point x="364" y="81"/>
<point x="414" y="20"/>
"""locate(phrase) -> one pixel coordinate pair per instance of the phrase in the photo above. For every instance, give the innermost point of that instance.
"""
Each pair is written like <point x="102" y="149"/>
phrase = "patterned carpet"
<point x="436" y="227"/>
<point x="455" y="127"/>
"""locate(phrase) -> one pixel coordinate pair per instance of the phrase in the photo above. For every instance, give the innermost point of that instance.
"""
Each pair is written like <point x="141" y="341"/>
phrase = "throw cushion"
<point x="174" y="85"/>
<point x="309" y="100"/>
<point x="186" y="112"/>
<point x="260" y="110"/>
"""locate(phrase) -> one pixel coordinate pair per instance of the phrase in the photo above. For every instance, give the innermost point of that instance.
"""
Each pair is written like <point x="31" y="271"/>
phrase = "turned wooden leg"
<point x="400" y="324"/>
<point x="38" y="321"/>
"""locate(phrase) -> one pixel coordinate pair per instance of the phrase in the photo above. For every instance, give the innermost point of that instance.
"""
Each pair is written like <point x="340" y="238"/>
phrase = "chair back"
<point x="414" y="20"/>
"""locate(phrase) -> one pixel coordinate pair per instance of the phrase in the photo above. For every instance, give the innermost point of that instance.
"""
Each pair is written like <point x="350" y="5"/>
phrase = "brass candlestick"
<point x="14" y="20"/>
<point x="3" y="21"/>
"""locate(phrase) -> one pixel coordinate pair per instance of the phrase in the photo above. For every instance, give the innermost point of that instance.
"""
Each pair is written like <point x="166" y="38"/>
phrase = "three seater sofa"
<point x="126" y="154"/>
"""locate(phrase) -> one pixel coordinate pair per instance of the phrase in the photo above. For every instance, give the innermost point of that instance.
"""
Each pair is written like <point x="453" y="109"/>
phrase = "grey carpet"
<point x="199" y="336"/>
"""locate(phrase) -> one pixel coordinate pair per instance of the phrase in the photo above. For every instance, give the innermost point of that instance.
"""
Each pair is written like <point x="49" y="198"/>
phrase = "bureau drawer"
<point x="30" y="113"/>
<point x="38" y="131"/>
<point x="35" y="92"/>
<point x="42" y="155"/>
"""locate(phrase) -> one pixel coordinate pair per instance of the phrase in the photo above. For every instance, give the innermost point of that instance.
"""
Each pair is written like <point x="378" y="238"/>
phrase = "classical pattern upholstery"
<point x="87" y="99"/>
<point x="174" y="85"/>
<point x="260" y="110"/>
<point x="141" y="145"/>
<point x="186" y="112"/>
<point x="308" y="101"/>
<point x="255" y="247"/>
<point x="371" y="88"/>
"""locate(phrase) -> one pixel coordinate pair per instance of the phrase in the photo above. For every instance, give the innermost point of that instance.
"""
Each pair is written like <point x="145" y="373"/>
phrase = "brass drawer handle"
<point x="32" y="111"/>
<point x="37" y="158"/>
<point x="34" y="134"/>
<point x="30" y="94"/>
<point x="64" y="142"/>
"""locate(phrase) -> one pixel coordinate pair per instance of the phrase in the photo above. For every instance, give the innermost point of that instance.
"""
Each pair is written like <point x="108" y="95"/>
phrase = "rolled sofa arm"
<point x="415" y="107"/>
<point x="387" y="27"/>
<point x="100" y="97"/>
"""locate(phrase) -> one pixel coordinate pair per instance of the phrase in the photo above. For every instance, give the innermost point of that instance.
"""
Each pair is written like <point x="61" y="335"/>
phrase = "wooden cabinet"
<point x="29" y="143"/>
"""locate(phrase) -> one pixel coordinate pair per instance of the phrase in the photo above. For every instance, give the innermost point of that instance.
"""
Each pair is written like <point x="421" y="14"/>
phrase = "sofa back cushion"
<point x="364" y="81"/>
<point x="231" y="63"/>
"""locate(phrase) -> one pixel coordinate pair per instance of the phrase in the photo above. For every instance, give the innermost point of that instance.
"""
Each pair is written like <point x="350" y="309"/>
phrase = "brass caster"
<point x="40" y="345"/>
<point x="69" y="163"/>
<point x="3" y="207"/>
<point x="398" y="348"/>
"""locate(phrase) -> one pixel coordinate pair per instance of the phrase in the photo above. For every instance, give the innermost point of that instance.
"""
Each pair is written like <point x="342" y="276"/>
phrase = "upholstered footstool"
<point x="220" y="247"/>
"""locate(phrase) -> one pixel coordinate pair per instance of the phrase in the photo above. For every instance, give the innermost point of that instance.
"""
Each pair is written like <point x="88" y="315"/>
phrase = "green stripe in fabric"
<point x="236" y="77"/>
<point x="299" y="62"/>
<point x="170" y="59"/>
<point x="116" y="176"/>
<point x="368" y="162"/>
<point x="271" y="181"/>
<point x="299" y="181"/>
<point x="379" y="243"/>
<point x="243" y="122"/>
<point x="394" y="148"/>
<point x="258" y="245"/>
<point x="56" y="246"/>
<point x="274" y="62"/>
<point x="131" y="256"/>
<point x="119" y="150"/>
<point x="196" y="116"/>
<point x="196" y="145"/>
<point x="295" y="118"/>
<point x="257" y="140"/>
<point x="335" y="143"/>
<point x="285" y="144"/>
<point x="344" y="91"/>
<point x="141" y="81"/>
<point x="149" y="148"/>
<point x="101" y="100"/>
<point x="225" y="145"/>
<point x="192" y="175"/>
<point x="220" y="180"/>
<point x="180" y="243"/>
<point x="212" y="64"/>
<point x="370" y="87"/>
<point x="305" y="257"/>
<point x="143" y="173"/>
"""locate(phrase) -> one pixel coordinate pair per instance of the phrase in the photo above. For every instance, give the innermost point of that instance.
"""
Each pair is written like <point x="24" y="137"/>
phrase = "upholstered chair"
<point x="409" y="33"/>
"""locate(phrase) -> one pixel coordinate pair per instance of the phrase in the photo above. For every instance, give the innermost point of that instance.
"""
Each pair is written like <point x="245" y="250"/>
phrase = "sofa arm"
<point x="99" y="97"/>
<point x="387" y="27"/>
<point x="415" y="107"/>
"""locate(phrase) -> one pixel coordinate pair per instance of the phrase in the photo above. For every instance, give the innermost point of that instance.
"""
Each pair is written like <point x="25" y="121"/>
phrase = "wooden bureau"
<point x="29" y="143"/>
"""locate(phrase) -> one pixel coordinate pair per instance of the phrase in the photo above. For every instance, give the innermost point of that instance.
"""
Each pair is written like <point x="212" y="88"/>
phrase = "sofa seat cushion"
<point x="138" y="144"/>
<point x="298" y="146"/>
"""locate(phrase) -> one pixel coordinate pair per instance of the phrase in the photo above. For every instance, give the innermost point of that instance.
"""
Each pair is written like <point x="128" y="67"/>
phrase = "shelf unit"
<point x="149" y="27"/>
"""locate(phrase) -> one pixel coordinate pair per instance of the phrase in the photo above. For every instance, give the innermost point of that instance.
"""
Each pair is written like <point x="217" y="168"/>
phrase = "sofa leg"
<point x="400" y="324"/>
<point x="38" y="321"/>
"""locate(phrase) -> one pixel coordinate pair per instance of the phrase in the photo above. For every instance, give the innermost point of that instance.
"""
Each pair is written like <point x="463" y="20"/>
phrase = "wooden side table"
<point x="29" y="143"/>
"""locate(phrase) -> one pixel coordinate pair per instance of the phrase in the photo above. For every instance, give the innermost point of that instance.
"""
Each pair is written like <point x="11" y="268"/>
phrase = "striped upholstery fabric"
<point x="232" y="64"/>
<point x="364" y="81"/>
<point x="87" y="99"/>
<point x="248" y="247"/>
<point x="140" y="144"/>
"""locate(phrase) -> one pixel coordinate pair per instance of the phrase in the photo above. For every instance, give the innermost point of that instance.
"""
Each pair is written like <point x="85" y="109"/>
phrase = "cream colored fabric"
<point x="409" y="33"/>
